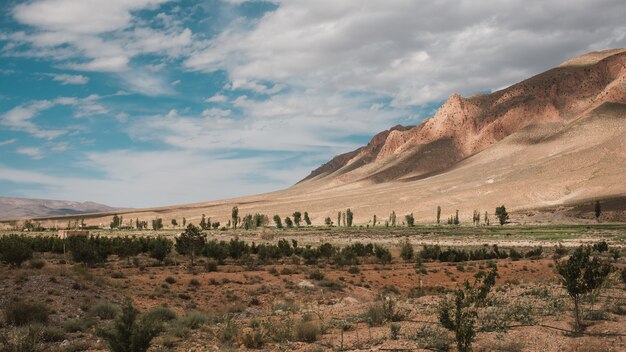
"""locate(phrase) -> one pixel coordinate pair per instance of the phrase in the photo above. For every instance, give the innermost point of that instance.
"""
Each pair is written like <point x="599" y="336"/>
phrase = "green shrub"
<point x="170" y="280"/>
<point x="128" y="334"/>
<point x="211" y="266"/>
<point x="381" y="312"/>
<point x="104" y="310"/>
<point x="37" y="263"/>
<point x="195" y="319"/>
<point x="353" y="270"/>
<point x="25" y="339"/>
<point x="21" y="313"/>
<point x="79" y="325"/>
<point x="14" y="250"/>
<point x="229" y="332"/>
<point x="394" y="331"/>
<point x="194" y="283"/>
<point x="50" y="333"/>
<point x="316" y="275"/>
<point x="253" y="339"/>
<point x="159" y="314"/>
<point x="406" y="250"/>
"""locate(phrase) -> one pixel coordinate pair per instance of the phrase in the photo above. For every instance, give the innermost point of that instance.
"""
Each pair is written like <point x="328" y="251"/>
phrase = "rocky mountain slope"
<point x="12" y="208"/>
<point x="465" y="126"/>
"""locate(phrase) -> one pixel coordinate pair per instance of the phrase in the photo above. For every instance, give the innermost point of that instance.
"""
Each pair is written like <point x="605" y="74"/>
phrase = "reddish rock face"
<point x="465" y="126"/>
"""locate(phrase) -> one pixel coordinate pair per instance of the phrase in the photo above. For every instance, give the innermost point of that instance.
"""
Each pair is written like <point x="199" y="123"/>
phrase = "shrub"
<point x="104" y="310"/>
<point x="307" y="331"/>
<point x="381" y="312"/>
<point x="582" y="274"/>
<point x="159" y="314"/>
<point x="211" y="266"/>
<point x="160" y="248"/>
<point x="21" y="313"/>
<point x="14" y="250"/>
<point x="195" y="319"/>
<point x="353" y="270"/>
<point x="88" y="250"/>
<point x="170" y="280"/>
<point x="191" y="242"/>
<point x="37" y="263"/>
<point x="253" y="339"/>
<point x="623" y="275"/>
<point x="129" y="334"/>
<point x="194" y="283"/>
<point x="50" y="333"/>
<point x="76" y="325"/>
<point x="229" y="332"/>
<point x="433" y="337"/>
<point x="383" y="254"/>
<point x="394" y="330"/>
<point x="21" y="340"/>
<point x="406" y="250"/>
<point x="316" y="275"/>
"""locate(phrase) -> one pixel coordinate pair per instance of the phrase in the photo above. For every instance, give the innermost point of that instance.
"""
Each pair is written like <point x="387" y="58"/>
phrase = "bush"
<point x="128" y="334"/>
<point x="229" y="333"/>
<point x="382" y="312"/>
<point x="14" y="250"/>
<point x="159" y="314"/>
<point x="623" y="275"/>
<point x="307" y="331"/>
<point x="394" y="330"/>
<point x="37" y="263"/>
<point x="316" y="275"/>
<point x="195" y="319"/>
<point x="211" y="266"/>
<point x="21" y="313"/>
<point x="170" y="280"/>
<point x="353" y="270"/>
<point x="21" y="340"/>
<point x="406" y="250"/>
<point x="104" y="310"/>
<point x="383" y="254"/>
<point x="50" y="333"/>
<point x="160" y="248"/>
<point x="253" y="339"/>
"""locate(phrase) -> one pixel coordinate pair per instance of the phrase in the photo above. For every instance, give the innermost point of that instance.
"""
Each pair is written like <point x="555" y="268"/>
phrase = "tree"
<point x="328" y="221"/>
<point x="190" y="242"/>
<point x="184" y="221"/>
<point x="486" y="219"/>
<point x="338" y="218"/>
<point x="343" y="218"/>
<point x="502" y="215"/>
<point x="278" y="222"/>
<point x="297" y="218"/>
<point x="456" y="218"/>
<point x="349" y="217"/>
<point x="203" y="225"/>
<point x="174" y="222"/>
<point x="14" y="250"/>
<point x="157" y="224"/>
<point x="582" y="274"/>
<point x="459" y="314"/>
<point x="160" y="248"/>
<point x="307" y="220"/>
<point x="374" y="221"/>
<point x="410" y="220"/>
<point x="130" y="334"/>
<point x="116" y="222"/>
<point x="288" y="222"/>
<point x="235" y="217"/>
<point x="438" y="214"/>
<point x="392" y="218"/>
<point x="598" y="210"/>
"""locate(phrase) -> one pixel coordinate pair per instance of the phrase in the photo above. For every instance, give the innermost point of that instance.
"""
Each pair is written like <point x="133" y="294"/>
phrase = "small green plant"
<point x="582" y="274"/>
<point x="406" y="250"/>
<point x="21" y="313"/>
<point x="129" y="334"/>
<point x="104" y="310"/>
<point x="394" y="330"/>
<point x="307" y="331"/>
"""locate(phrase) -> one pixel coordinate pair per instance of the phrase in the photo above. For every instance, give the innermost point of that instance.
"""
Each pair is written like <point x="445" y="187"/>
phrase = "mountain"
<point x="13" y="208"/>
<point x="466" y="126"/>
<point x="547" y="148"/>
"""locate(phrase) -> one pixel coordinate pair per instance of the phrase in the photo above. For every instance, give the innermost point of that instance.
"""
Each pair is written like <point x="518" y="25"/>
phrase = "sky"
<point x="140" y="103"/>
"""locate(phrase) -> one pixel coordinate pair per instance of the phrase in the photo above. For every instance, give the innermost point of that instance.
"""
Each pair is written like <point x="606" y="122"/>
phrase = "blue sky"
<point x="155" y="102"/>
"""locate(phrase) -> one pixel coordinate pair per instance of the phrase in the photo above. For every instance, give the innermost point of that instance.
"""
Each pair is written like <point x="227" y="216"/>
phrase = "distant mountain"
<point x="14" y="208"/>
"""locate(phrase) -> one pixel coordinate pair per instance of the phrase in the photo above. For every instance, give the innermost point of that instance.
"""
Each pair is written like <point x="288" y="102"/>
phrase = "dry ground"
<point x="241" y="299"/>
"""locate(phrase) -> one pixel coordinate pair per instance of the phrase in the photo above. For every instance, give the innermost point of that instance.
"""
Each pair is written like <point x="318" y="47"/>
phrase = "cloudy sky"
<point x="155" y="102"/>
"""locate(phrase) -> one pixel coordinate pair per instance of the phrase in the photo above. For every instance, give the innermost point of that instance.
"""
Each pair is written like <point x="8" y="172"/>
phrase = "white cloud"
<point x="69" y="79"/>
<point x="32" y="152"/>
<point x="20" y="118"/>
<point x="217" y="98"/>
<point x="8" y="141"/>
<point x="412" y="51"/>
<point x="80" y="17"/>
